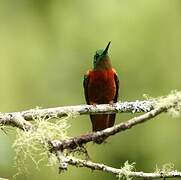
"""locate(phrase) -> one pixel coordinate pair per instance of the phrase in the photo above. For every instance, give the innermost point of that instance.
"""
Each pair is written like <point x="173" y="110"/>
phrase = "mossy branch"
<point x="30" y="115"/>
<point x="125" y="172"/>
<point x="43" y="132"/>
<point x="14" y="120"/>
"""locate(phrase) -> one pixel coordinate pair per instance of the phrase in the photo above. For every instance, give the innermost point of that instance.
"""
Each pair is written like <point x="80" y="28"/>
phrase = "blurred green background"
<point x="47" y="45"/>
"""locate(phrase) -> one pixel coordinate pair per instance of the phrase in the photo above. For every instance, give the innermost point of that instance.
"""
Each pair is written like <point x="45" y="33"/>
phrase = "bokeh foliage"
<point x="47" y="45"/>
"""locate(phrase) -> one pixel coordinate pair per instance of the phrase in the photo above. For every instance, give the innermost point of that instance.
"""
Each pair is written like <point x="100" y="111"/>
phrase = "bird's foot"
<point x="93" y="104"/>
<point x="111" y="103"/>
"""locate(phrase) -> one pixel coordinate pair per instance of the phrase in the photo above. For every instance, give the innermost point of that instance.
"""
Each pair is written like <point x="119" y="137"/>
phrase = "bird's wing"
<point x="85" y="84"/>
<point x="116" y="79"/>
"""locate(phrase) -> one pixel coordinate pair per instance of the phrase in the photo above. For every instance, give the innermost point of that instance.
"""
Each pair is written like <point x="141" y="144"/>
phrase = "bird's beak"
<point x="106" y="49"/>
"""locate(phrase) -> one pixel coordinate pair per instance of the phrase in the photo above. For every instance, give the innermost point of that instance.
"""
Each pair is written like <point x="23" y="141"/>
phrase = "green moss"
<point x="165" y="169"/>
<point x="172" y="101"/>
<point x="125" y="171"/>
<point x="29" y="144"/>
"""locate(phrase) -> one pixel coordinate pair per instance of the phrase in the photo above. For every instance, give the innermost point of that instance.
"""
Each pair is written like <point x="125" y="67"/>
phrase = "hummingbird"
<point x="101" y="86"/>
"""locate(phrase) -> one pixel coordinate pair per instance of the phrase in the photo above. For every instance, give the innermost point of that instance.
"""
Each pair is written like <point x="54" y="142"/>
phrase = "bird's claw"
<point x="94" y="104"/>
<point x="111" y="103"/>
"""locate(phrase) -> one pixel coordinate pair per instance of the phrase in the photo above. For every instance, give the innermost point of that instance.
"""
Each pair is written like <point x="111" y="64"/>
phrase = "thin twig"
<point x="120" y="172"/>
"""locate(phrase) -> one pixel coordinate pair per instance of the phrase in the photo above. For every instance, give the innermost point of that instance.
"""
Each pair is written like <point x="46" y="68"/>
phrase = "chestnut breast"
<point x="102" y="87"/>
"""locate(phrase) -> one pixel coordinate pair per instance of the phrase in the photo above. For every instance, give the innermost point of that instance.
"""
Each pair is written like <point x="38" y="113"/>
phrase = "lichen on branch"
<point x="33" y="142"/>
<point x="47" y="133"/>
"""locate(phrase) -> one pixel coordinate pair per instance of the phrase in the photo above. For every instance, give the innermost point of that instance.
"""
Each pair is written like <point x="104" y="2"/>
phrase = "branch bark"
<point x="120" y="172"/>
<point x="15" y="120"/>
<point x="29" y="115"/>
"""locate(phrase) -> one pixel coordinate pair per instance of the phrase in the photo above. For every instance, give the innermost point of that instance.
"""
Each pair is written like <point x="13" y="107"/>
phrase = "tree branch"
<point x="74" y="142"/>
<point x="120" y="172"/>
<point x="173" y="100"/>
<point x="29" y="115"/>
<point x="152" y="109"/>
<point x="15" y="120"/>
